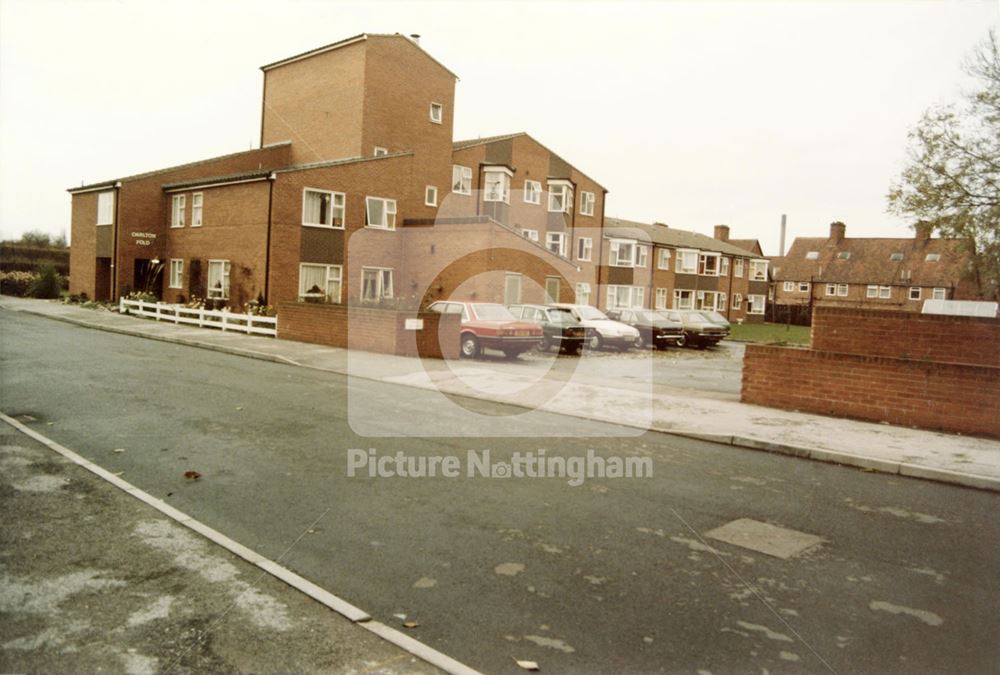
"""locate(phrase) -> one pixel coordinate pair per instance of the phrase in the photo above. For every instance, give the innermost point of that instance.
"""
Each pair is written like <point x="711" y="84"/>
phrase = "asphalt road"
<point x="614" y="575"/>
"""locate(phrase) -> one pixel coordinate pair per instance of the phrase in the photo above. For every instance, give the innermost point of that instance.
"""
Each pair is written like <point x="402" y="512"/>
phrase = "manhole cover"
<point x="763" y="538"/>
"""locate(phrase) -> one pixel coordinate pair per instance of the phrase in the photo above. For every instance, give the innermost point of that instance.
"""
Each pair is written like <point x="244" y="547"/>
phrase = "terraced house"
<point x="874" y="273"/>
<point x="661" y="267"/>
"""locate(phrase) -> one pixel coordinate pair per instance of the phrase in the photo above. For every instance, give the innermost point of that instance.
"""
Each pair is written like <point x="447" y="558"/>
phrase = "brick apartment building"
<point x="358" y="195"/>
<point x="871" y="273"/>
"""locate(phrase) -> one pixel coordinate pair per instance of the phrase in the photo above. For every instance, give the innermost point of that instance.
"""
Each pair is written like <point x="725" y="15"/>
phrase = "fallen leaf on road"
<point x="239" y="407"/>
<point x="401" y="617"/>
<point x="410" y="624"/>
<point x="527" y="665"/>
<point x="118" y="450"/>
<point x="192" y="475"/>
<point x="118" y="473"/>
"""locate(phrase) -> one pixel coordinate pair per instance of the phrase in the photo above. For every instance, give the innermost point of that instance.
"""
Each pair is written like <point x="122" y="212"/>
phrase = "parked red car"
<point x="487" y="325"/>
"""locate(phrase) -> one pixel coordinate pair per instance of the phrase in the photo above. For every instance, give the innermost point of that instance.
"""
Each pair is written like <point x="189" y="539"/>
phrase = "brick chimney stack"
<point x="922" y="232"/>
<point x="837" y="232"/>
<point x="722" y="232"/>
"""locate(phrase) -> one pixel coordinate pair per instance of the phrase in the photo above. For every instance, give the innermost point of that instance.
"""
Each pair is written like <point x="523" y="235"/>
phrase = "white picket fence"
<point x="203" y="318"/>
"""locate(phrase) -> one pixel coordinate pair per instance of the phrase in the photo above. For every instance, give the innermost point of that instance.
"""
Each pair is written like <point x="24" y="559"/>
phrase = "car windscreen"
<point x="561" y="316"/>
<point x="591" y="314"/>
<point x="489" y="312"/>
<point x="714" y="317"/>
<point x="646" y="315"/>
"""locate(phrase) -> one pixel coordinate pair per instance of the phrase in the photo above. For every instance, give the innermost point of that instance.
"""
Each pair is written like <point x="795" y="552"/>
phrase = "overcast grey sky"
<point x="689" y="113"/>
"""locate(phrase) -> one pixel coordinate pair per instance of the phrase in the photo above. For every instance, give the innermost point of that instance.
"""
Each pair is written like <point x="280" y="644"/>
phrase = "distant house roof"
<point x="670" y="236"/>
<point x="361" y="37"/>
<point x="883" y="261"/>
<point x="487" y="140"/>
<point x="752" y="245"/>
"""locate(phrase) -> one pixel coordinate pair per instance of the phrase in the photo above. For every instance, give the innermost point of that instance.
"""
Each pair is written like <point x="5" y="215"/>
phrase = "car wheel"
<point x="595" y="342"/>
<point x="573" y="351"/>
<point x="681" y="341"/>
<point x="512" y="353"/>
<point x="640" y="342"/>
<point x="470" y="346"/>
<point x="544" y="345"/>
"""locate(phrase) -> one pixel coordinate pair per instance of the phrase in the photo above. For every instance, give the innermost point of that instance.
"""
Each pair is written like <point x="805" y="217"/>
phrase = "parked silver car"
<point x="601" y="331"/>
<point x="699" y="331"/>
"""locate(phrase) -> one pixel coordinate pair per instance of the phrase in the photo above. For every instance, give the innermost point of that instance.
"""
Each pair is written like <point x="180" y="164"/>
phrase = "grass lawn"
<point x="770" y="332"/>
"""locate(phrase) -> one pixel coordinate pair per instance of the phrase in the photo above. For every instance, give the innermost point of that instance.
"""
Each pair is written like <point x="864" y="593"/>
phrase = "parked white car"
<point x="601" y="331"/>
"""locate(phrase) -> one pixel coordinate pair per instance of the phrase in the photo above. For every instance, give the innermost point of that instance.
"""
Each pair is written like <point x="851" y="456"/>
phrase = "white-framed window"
<point x="105" y="208"/>
<point x="380" y="151"/>
<point x="218" y="279"/>
<point x="896" y="257"/>
<point x="583" y="293"/>
<point x="723" y="267"/>
<point x="663" y="259"/>
<point x="430" y="196"/>
<point x="530" y="235"/>
<point x="687" y="261"/>
<point x="788" y="287"/>
<point x="804" y="287"/>
<point x="933" y="257"/>
<point x="197" y="205"/>
<point x="708" y="264"/>
<point x="641" y="255"/>
<point x="738" y="268"/>
<point x="884" y="292"/>
<point x="176" y="273"/>
<point x="177" y="205"/>
<point x="661" y="298"/>
<point x="381" y="213"/>
<point x="939" y="294"/>
<point x="584" y="248"/>
<point x="758" y="271"/>
<point x="755" y="304"/>
<point x="915" y="293"/>
<point x="842" y="290"/>
<point x="461" y="180"/>
<point x="560" y="196"/>
<point x="552" y="287"/>
<point x="587" y="201"/>
<point x="532" y="192"/>
<point x="812" y="255"/>
<point x="376" y="284"/>
<point x="497" y="185"/>
<point x="844" y="255"/>
<point x="556" y="242"/>
<point x="625" y="297"/>
<point x="621" y="253"/>
<point x="320" y="282"/>
<point x="871" y="292"/>
<point x="737" y="301"/>
<point x="322" y="208"/>
<point x="831" y="289"/>
<point x="512" y="288"/>
<point x="683" y="299"/>
<point x="437" y="113"/>
<point x="710" y="300"/>
<point x="720" y="302"/>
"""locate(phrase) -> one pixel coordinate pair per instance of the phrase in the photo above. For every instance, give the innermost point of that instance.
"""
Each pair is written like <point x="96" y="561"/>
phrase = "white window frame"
<point x="939" y="293"/>
<point x="388" y="213"/>
<point x="582" y="293"/>
<point x="662" y="298"/>
<point x="106" y="207"/>
<point x="178" y="204"/>
<point x="788" y="287"/>
<point x="919" y="292"/>
<point x="530" y="235"/>
<point x="831" y="290"/>
<point x="871" y="291"/>
<point x="687" y="261"/>
<point x="436" y="113"/>
<point x="703" y="259"/>
<point x="932" y="257"/>
<point x="737" y="301"/>
<point x="176" y="273"/>
<point x="338" y="202"/>
<point x="532" y="192"/>
<point x="663" y="261"/>
<point x="553" y="237"/>
<point x="884" y="292"/>
<point x="490" y="176"/>
<point x="587" y="202"/>
<point x="430" y="196"/>
<point x="332" y="274"/>
<point x="618" y="258"/>
<point x="634" y="296"/>
<point x="758" y="270"/>
<point x="804" y="287"/>
<point x="512" y="298"/>
<point x="812" y="255"/>
<point x="223" y="278"/>
<point x="683" y="298"/>
<point x="461" y="179"/>
<point x="584" y="248"/>
<point x="738" y="268"/>
<point x="641" y="255"/>
<point x="723" y="266"/>
<point x="380" y="151"/>
<point x="383" y="290"/>
<point x="756" y="303"/>
<point x="197" y="208"/>
<point x="842" y="290"/>
<point x="560" y="196"/>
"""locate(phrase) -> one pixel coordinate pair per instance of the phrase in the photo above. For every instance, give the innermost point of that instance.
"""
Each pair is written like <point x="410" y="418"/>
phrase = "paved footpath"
<point x="596" y="388"/>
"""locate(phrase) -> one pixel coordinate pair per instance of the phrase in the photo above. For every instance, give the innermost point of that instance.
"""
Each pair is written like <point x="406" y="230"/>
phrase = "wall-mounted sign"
<point x="414" y="324"/>
<point x="143" y="238"/>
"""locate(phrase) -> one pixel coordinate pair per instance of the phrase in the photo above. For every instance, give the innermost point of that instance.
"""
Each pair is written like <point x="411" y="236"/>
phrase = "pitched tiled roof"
<point x="856" y="260"/>
<point x="472" y="142"/>
<point x="212" y="180"/>
<point x="670" y="236"/>
<point x="752" y="245"/>
<point x="351" y="40"/>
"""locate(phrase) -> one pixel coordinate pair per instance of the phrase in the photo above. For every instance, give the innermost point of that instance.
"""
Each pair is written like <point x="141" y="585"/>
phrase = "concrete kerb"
<point x="299" y="583"/>
<point x="747" y="442"/>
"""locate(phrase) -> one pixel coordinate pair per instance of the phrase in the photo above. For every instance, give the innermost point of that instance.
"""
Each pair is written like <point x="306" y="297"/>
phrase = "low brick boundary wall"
<point x="949" y="397"/>
<point x="907" y="335"/>
<point x="370" y="329"/>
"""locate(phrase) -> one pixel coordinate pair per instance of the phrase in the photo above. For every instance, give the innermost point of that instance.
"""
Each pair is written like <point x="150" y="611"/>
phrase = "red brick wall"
<point x="369" y="329"/>
<point x="941" y="396"/>
<point x="951" y="339"/>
